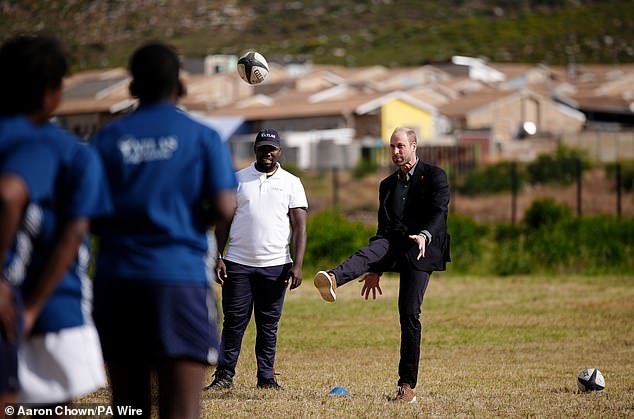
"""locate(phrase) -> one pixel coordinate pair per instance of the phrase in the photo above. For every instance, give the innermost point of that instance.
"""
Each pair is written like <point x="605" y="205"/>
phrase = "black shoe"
<point x="221" y="382"/>
<point x="269" y="384"/>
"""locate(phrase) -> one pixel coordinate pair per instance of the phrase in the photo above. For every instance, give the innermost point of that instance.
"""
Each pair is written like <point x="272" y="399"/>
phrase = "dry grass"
<point x="492" y="347"/>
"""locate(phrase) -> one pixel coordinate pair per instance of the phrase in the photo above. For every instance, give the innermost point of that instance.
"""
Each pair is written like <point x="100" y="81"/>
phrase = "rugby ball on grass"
<point x="590" y="379"/>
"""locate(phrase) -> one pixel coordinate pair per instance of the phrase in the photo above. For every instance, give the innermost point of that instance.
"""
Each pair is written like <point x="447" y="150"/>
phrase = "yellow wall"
<point x="398" y="113"/>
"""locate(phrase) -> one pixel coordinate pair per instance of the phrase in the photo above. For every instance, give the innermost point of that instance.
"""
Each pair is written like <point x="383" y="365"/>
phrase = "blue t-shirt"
<point x="20" y="146"/>
<point x="161" y="167"/>
<point x="74" y="189"/>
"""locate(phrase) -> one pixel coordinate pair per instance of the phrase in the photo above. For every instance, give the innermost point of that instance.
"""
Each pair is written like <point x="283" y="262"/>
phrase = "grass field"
<point x="492" y="347"/>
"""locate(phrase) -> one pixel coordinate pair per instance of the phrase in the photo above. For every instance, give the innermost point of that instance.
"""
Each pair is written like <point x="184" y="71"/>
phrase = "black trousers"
<point x="383" y="255"/>
<point x="250" y="290"/>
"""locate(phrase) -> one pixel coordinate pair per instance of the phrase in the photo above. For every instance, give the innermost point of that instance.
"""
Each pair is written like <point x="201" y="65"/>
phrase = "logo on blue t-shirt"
<point x="139" y="150"/>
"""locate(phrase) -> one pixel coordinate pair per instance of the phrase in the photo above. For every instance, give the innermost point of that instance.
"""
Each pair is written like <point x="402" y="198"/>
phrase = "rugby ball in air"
<point x="590" y="379"/>
<point x="253" y="68"/>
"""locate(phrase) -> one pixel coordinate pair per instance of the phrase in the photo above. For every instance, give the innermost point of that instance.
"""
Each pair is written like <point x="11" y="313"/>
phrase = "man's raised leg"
<point x="356" y="265"/>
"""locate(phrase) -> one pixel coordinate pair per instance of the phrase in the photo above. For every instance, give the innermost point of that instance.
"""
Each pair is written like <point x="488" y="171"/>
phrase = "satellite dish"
<point x="529" y="127"/>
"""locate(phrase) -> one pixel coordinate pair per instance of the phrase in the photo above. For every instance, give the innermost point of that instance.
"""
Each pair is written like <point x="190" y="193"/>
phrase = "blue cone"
<point x="339" y="391"/>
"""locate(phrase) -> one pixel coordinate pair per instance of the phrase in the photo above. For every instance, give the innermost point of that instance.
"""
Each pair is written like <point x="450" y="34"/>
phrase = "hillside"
<point x="388" y="32"/>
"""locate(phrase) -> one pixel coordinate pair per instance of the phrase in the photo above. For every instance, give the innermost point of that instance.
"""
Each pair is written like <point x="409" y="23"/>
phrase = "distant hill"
<point x="387" y="32"/>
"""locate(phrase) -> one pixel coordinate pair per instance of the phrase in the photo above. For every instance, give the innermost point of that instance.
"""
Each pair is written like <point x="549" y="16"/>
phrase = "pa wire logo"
<point x="76" y="411"/>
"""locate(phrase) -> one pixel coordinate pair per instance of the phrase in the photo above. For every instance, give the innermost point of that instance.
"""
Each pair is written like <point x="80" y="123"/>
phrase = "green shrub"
<point x="583" y="245"/>
<point x="605" y="244"/>
<point x="554" y="247"/>
<point x="332" y="238"/>
<point x="560" y="168"/>
<point x="495" y="178"/>
<point x="364" y="167"/>
<point x="506" y="231"/>
<point x="553" y="242"/>
<point x="293" y="169"/>
<point x="466" y="242"/>
<point x="544" y="212"/>
<point x="547" y="240"/>
<point x="511" y="258"/>
<point x="627" y="174"/>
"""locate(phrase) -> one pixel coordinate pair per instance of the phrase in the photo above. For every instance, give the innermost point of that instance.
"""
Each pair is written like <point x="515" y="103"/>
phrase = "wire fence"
<point x="599" y="190"/>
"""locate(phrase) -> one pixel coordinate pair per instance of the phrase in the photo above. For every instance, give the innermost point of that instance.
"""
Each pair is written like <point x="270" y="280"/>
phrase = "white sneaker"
<point x="326" y="285"/>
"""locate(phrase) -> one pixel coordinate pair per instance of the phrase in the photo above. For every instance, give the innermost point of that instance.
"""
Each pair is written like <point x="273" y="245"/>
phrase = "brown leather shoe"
<point x="326" y="285"/>
<point x="405" y="394"/>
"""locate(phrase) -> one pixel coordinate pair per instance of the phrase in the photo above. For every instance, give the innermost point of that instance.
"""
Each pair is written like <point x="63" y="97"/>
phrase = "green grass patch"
<point x="492" y="347"/>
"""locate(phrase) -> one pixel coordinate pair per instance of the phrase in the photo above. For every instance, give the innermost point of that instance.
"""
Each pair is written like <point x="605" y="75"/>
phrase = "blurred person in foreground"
<point x="55" y="184"/>
<point x="9" y="321"/>
<point x="170" y="178"/>
<point x="411" y="239"/>
<point x="258" y="266"/>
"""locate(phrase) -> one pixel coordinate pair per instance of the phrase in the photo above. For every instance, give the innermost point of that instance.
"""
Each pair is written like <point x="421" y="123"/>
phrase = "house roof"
<point x="206" y="91"/>
<point x="512" y="70"/>
<point x="299" y="104"/>
<point x="592" y="76"/>
<point x="429" y="95"/>
<point x="381" y="100"/>
<point x="623" y="86"/>
<point x="597" y="88"/>
<point x="461" y="85"/>
<point x="107" y="91"/>
<point x="295" y="107"/>
<point x="461" y="106"/>
<point x="95" y="87"/>
<point x="454" y="70"/>
<point x="407" y="77"/>
<point x="601" y="103"/>
<point x="95" y="91"/>
<point x="90" y="105"/>
<point x="480" y="100"/>
<point x="326" y="90"/>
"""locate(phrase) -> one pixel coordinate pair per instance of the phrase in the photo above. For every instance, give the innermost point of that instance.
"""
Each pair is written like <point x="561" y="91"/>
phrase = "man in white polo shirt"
<point x="257" y="266"/>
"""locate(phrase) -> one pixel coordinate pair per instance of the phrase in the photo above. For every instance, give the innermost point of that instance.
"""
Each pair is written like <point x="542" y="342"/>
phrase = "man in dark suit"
<point x="411" y="239"/>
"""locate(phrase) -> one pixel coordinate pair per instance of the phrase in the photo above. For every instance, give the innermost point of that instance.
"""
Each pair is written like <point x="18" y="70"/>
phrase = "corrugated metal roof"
<point x="93" y="88"/>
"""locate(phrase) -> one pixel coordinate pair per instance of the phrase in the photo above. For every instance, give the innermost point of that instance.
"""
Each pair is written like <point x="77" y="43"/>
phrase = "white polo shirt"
<point x="261" y="231"/>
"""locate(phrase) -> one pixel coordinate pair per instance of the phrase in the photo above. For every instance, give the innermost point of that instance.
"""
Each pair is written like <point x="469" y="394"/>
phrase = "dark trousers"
<point x="382" y="255"/>
<point x="250" y="290"/>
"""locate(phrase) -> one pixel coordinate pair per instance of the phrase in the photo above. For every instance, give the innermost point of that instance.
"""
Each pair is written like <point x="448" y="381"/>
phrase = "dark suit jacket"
<point x="426" y="208"/>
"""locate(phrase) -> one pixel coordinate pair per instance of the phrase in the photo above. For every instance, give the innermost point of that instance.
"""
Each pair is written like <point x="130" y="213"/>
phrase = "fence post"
<point x="335" y="187"/>
<point x="513" y="192"/>
<point x="579" y="176"/>
<point x="452" y="187"/>
<point x="618" y="190"/>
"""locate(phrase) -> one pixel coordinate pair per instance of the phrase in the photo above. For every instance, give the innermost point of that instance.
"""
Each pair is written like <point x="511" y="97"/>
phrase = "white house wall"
<point x="306" y="142"/>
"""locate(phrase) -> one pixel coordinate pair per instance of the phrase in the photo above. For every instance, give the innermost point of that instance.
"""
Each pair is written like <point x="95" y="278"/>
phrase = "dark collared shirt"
<point x="400" y="194"/>
<point x="397" y="203"/>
